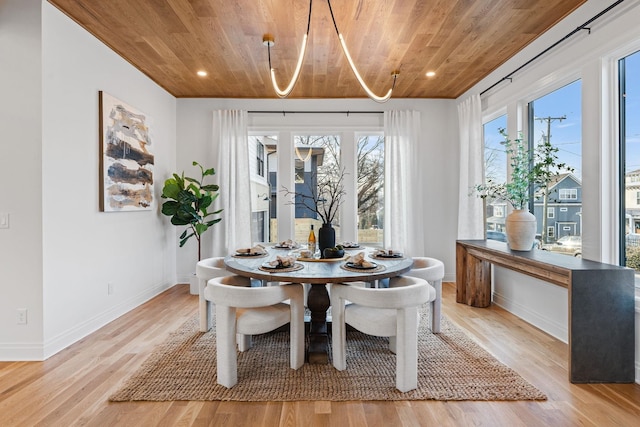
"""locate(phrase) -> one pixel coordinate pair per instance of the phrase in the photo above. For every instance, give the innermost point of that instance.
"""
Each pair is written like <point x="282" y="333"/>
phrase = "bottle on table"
<point x="311" y="242"/>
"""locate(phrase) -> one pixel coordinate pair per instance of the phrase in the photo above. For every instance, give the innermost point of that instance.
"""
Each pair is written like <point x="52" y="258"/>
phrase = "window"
<point x="316" y="158"/>
<point x="551" y="232"/>
<point x="551" y="212"/>
<point x="495" y="170"/>
<point x="263" y="151"/>
<point x="311" y="157"/>
<point x="629" y="130"/>
<point x="259" y="158"/>
<point x="555" y="119"/>
<point x="370" y="187"/>
<point x="568" y="194"/>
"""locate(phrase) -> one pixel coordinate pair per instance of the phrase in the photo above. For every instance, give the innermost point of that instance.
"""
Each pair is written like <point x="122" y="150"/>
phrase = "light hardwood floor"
<point x="72" y="387"/>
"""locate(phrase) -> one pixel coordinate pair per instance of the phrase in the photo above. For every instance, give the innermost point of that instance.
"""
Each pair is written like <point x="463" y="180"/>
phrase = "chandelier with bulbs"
<point x="268" y="40"/>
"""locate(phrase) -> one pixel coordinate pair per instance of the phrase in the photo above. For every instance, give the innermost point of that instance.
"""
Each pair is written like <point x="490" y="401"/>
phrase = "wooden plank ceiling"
<point x="461" y="40"/>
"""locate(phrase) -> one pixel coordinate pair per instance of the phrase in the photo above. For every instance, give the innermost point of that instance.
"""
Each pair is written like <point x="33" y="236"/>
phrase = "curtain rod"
<point x="284" y="113"/>
<point x="578" y="29"/>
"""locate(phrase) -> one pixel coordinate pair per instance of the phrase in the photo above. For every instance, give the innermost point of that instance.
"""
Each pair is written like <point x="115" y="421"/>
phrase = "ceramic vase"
<point x="326" y="238"/>
<point x="520" y="230"/>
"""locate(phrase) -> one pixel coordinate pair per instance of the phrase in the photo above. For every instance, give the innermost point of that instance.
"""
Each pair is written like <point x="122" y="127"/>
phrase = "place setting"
<point x="387" y="254"/>
<point x="257" y="251"/>
<point x="350" y="246"/>
<point x="282" y="264"/>
<point x="287" y="244"/>
<point x="358" y="263"/>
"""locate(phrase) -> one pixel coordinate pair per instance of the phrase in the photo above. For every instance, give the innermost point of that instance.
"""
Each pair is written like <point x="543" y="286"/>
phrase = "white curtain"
<point x="470" y="207"/>
<point x="230" y="134"/>
<point x="403" y="212"/>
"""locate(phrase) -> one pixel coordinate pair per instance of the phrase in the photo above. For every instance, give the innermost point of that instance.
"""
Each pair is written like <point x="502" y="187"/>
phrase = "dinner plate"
<point x="389" y="256"/>
<point x="350" y="245"/>
<point x="286" y="247"/>
<point x="248" y="254"/>
<point x="277" y="267"/>
<point x="359" y="267"/>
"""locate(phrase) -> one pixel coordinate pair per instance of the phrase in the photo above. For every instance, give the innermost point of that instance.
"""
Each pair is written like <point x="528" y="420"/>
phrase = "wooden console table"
<point x="601" y="303"/>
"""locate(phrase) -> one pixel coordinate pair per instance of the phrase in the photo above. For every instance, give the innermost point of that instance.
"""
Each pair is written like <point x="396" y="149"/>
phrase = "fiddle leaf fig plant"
<point x="189" y="202"/>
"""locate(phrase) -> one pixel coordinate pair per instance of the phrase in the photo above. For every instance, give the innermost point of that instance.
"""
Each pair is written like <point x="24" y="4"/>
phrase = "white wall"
<point x="20" y="174"/>
<point x="61" y="252"/>
<point x="592" y="58"/>
<point x="439" y="154"/>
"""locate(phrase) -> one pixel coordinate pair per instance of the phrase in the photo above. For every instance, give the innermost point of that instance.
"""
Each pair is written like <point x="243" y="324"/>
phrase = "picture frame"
<point x="126" y="163"/>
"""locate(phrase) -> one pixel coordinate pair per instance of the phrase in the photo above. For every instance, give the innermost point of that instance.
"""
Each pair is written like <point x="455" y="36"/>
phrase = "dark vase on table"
<point x="326" y="238"/>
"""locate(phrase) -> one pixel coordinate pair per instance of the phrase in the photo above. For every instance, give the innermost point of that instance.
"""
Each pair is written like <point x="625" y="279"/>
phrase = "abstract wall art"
<point x="126" y="164"/>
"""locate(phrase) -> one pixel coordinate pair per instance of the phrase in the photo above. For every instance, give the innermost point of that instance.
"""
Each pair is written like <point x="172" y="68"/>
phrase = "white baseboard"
<point x="22" y="351"/>
<point x="38" y="351"/>
<point x="80" y="331"/>
<point x="553" y="328"/>
<point x="451" y="277"/>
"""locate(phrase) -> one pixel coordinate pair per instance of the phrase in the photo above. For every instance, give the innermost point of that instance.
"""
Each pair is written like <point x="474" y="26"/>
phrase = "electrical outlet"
<point x="109" y="288"/>
<point x="22" y="316"/>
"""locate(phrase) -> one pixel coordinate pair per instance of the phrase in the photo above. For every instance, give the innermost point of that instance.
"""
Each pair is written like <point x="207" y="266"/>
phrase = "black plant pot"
<point x="326" y="238"/>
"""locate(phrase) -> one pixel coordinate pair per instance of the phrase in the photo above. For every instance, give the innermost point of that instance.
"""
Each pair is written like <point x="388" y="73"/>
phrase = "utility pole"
<point x="545" y="201"/>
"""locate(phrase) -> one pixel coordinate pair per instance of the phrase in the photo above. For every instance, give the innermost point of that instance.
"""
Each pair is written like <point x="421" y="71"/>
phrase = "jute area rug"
<point x="451" y="367"/>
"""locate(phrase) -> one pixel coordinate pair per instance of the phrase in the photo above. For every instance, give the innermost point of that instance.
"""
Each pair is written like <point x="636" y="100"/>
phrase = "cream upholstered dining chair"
<point x="206" y="270"/>
<point x="385" y="312"/>
<point x="431" y="270"/>
<point x="249" y="311"/>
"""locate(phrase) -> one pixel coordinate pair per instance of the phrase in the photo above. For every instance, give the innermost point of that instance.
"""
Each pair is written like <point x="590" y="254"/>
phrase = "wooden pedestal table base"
<point x="318" y="302"/>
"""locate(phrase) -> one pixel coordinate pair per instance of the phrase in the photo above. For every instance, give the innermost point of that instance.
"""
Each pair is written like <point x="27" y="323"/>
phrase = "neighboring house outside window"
<point x="564" y="207"/>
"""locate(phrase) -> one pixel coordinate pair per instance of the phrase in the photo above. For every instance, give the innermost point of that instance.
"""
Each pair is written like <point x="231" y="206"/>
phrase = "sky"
<point x="566" y="134"/>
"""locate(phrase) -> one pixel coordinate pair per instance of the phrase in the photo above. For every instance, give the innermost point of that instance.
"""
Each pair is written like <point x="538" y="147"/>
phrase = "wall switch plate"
<point x="21" y="316"/>
<point x="109" y="288"/>
<point x="4" y="220"/>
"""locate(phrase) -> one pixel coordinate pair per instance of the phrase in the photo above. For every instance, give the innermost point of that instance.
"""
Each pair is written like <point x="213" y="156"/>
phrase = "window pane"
<point x="556" y="119"/>
<point x="370" y="189"/>
<point x="630" y="134"/>
<point x="263" y="157"/>
<point x="495" y="171"/>
<point x="317" y="161"/>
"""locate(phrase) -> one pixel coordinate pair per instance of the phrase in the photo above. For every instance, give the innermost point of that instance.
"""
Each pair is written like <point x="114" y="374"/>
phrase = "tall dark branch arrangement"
<point x="325" y="200"/>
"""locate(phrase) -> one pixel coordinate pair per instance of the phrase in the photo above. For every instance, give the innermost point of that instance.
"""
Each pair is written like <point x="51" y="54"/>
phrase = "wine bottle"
<point x="311" y="243"/>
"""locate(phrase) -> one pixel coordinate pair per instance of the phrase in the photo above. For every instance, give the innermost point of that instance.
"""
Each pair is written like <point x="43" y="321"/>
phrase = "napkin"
<point x="387" y="252"/>
<point x="256" y="250"/>
<point x="358" y="259"/>
<point x="288" y="244"/>
<point x="283" y="261"/>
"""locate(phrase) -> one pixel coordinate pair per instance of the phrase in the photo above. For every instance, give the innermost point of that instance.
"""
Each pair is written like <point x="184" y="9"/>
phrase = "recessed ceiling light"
<point x="202" y="73"/>
<point x="430" y="74"/>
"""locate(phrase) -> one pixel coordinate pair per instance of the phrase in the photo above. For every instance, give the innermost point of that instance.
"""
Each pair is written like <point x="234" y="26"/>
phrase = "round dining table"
<point x="318" y="273"/>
